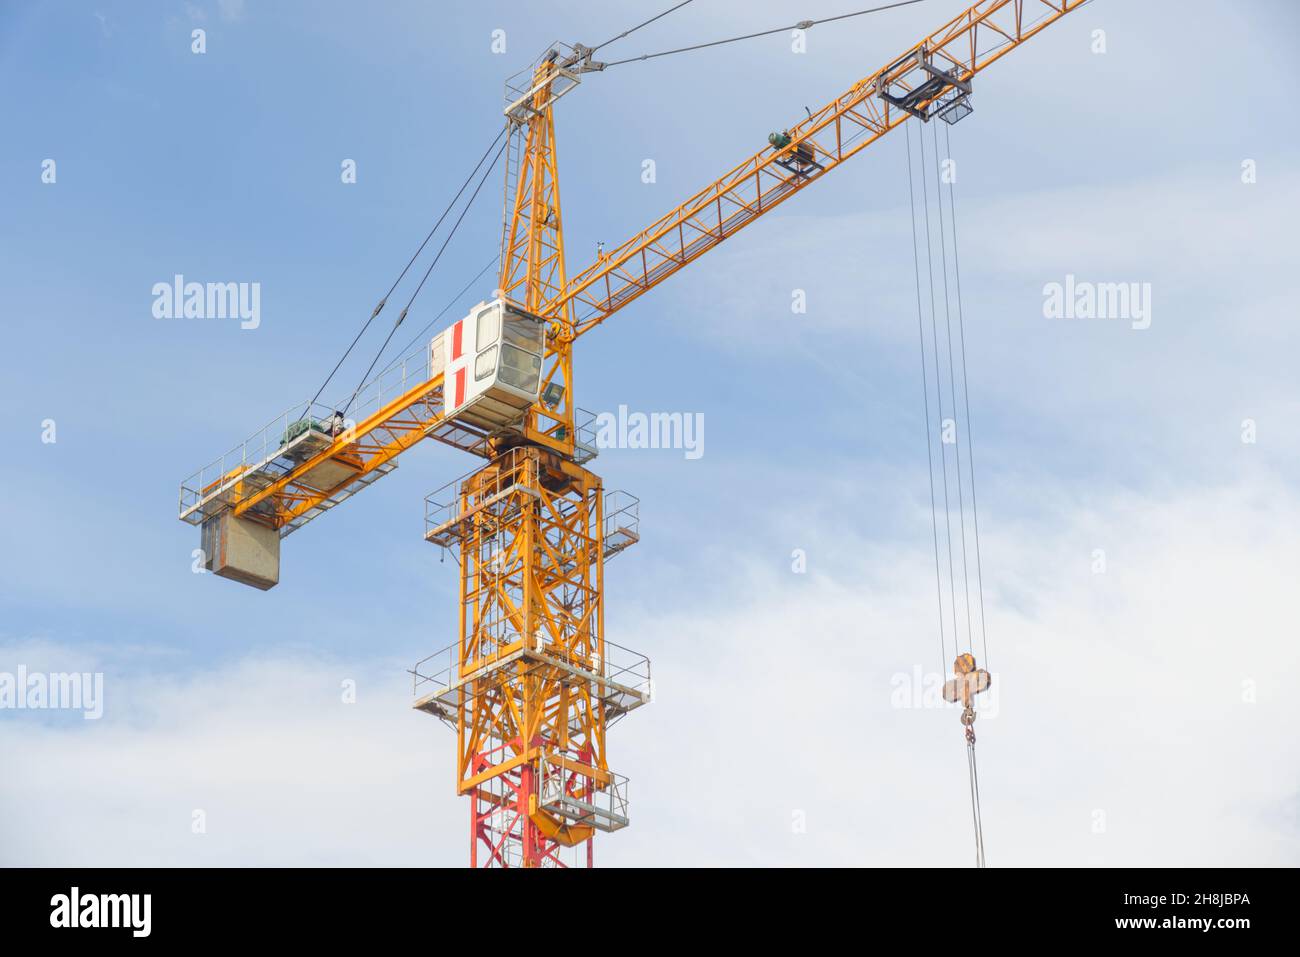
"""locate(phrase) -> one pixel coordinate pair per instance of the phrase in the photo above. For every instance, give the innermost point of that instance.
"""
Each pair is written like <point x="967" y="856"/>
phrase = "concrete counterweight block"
<point x="242" y="550"/>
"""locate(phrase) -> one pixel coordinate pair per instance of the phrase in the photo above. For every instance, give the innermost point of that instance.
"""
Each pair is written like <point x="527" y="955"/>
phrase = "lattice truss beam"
<point x="532" y="254"/>
<point x="843" y="128"/>
<point x="532" y="262"/>
<point x="531" y="575"/>
<point x="371" y="445"/>
<point x="284" y="489"/>
<point x="531" y="558"/>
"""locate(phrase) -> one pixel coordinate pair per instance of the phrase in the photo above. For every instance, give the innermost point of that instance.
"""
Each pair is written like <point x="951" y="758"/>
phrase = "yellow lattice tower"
<point x="532" y="684"/>
<point x="532" y="246"/>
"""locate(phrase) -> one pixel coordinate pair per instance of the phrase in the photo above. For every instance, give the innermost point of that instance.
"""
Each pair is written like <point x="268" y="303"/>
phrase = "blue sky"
<point x="1122" y="166"/>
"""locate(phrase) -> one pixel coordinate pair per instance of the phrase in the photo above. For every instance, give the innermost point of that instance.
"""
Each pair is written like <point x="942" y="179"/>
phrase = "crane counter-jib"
<point x="305" y="462"/>
<point x="474" y="380"/>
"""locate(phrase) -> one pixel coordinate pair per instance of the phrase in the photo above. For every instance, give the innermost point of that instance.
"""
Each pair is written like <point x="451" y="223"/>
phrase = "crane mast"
<point x="530" y="684"/>
<point x="532" y="240"/>
<point x="534" y="684"/>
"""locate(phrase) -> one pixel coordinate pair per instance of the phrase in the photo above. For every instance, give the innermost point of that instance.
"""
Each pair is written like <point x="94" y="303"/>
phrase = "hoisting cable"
<point x="978" y="679"/>
<point x="938" y="385"/>
<point x="640" y="25"/>
<point x="428" y="326"/>
<point x="977" y="817"/>
<point x="925" y="392"/>
<point x="801" y="25"/>
<point x="952" y="385"/>
<point x="970" y="443"/>
<point x="968" y="679"/>
<point x="402" y="316"/>
<point x="383" y="301"/>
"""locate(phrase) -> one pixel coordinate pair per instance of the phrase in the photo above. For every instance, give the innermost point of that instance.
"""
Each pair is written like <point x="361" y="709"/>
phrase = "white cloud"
<point x="231" y="9"/>
<point x="1188" y="230"/>
<point x="1120" y="692"/>
<point x="283" y="770"/>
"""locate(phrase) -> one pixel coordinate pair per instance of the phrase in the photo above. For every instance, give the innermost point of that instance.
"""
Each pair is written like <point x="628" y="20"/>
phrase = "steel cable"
<point x="970" y="442"/>
<point x="646" y="23"/>
<point x="801" y="25"/>
<point x="402" y="316"/>
<point x="925" y="392"/>
<point x="384" y="300"/>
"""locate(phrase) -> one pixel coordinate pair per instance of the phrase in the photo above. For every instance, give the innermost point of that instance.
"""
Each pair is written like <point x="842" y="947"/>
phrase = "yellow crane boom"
<point x="932" y="76"/>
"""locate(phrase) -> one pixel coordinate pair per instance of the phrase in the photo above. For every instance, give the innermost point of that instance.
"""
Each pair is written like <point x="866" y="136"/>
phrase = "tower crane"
<point x="531" y="684"/>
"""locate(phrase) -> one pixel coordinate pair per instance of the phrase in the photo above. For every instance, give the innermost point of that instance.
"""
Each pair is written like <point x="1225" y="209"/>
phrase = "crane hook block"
<point x="968" y="680"/>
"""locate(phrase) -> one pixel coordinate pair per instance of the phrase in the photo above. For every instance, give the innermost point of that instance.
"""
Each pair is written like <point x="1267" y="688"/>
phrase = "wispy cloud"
<point x="280" y="769"/>
<point x="230" y="10"/>
<point x="1154" y="693"/>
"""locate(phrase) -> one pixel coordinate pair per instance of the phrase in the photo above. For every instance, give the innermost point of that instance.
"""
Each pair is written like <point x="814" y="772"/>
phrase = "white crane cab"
<point x="491" y="363"/>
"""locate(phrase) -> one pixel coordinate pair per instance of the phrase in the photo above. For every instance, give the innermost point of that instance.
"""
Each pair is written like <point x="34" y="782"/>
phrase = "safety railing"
<point x="621" y="526"/>
<point x="584" y="436"/>
<point x="522" y="87"/>
<point x="583" y="794"/>
<point x="446" y="508"/>
<point x="621" y="678"/>
<point x="262" y="452"/>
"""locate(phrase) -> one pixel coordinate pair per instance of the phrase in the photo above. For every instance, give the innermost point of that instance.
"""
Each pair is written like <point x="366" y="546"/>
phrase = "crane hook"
<point x="968" y="680"/>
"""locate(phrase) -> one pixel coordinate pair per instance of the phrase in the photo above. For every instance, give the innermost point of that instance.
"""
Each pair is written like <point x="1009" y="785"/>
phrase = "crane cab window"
<point x="525" y="333"/>
<point x="485" y="363"/>
<point x="488" y="329"/>
<point x="520" y="369"/>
